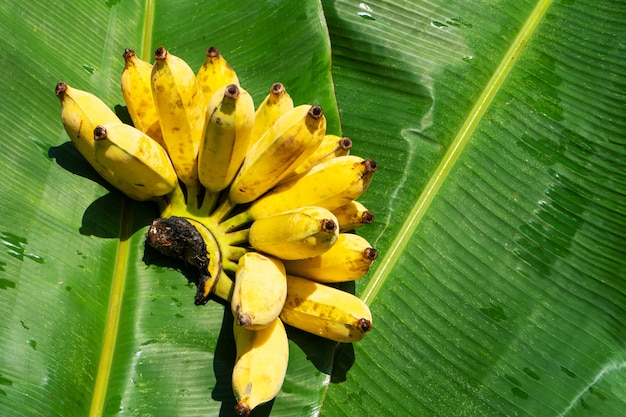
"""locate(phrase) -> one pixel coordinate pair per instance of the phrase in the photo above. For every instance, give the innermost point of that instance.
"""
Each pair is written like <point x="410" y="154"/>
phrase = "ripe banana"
<point x="353" y="215"/>
<point x="325" y="311"/>
<point x="180" y="106"/>
<point x="260" y="366"/>
<point x="230" y="116"/>
<point x="137" y="94"/>
<point x="331" y="184"/>
<point x="260" y="290"/>
<point x="331" y="147"/>
<point x="297" y="234"/>
<point x="274" y="105"/>
<point x="348" y="259"/>
<point x="214" y="74"/>
<point x="134" y="157"/>
<point x="284" y="146"/>
<point x="81" y="112"/>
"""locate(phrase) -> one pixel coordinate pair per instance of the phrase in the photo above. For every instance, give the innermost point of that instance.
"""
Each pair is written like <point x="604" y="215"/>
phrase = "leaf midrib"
<point x="463" y="136"/>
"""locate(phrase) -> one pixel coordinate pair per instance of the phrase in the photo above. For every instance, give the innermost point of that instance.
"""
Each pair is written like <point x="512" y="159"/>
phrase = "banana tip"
<point x="128" y="53"/>
<point x="243" y="320"/>
<point x="277" y="89"/>
<point x="316" y="112"/>
<point x="60" y="89"/>
<point x="242" y="409"/>
<point x="160" y="53"/>
<point x="212" y="52"/>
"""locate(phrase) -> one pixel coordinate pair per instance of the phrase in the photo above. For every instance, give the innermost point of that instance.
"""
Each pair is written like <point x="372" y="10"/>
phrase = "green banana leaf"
<point x="500" y="205"/>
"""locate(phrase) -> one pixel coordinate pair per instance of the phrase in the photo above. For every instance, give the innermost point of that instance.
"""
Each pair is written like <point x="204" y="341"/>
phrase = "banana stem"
<point x="239" y="237"/>
<point x="236" y="222"/>
<point x="208" y="202"/>
<point x="174" y="203"/>
<point x="223" y="287"/>
<point x="222" y="210"/>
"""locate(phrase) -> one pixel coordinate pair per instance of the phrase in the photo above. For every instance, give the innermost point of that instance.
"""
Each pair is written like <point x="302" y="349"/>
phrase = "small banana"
<point x="230" y="116"/>
<point x="81" y="112"/>
<point x="214" y="74"/>
<point x="284" y="146"/>
<point x="134" y="157"/>
<point x="180" y="106"/>
<point x="352" y="215"/>
<point x="297" y="234"/>
<point x="331" y="184"/>
<point x="260" y="290"/>
<point x="260" y="366"/>
<point x="325" y="311"/>
<point x="331" y="147"/>
<point x="348" y="259"/>
<point x="274" y="105"/>
<point x="137" y="94"/>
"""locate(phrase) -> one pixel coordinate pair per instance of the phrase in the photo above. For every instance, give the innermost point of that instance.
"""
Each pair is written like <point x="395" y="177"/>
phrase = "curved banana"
<point x="274" y="105"/>
<point x="331" y="184"/>
<point x="260" y="366"/>
<point x="331" y="147"/>
<point x="180" y="106"/>
<point x="137" y="94"/>
<point x="284" y="146"/>
<point x="325" y="311"/>
<point x="214" y="74"/>
<point x="260" y="290"/>
<point x="81" y="112"/>
<point x="230" y="115"/>
<point x="352" y="215"/>
<point x="297" y="234"/>
<point x="134" y="157"/>
<point x="348" y="259"/>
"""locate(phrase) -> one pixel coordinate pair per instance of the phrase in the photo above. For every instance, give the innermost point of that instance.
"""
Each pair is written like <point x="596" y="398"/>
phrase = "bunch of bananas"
<point x="263" y="202"/>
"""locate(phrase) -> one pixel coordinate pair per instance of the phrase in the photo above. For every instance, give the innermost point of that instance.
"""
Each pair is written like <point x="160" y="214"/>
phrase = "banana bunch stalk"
<point x="263" y="202"/>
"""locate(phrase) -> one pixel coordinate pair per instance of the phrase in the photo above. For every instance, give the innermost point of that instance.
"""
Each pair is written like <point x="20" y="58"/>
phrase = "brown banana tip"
<point x="128" y="53"/>
<point x="160" y="53"/>
<point x="367" y="217"/>
<point x="370" y="165"/>
<point x="243" y="319"/>
<point x="277" y="89"/>
<point x="231" y="91"/>
<point x="370" y="253"/>
<point x="242" y="409"/>
<point x="60" y="89"/>
<point x="329" y="226"/>
<point x="345" y="143"/>
<point x="364" y="325"/>
<point x="212" y="52"/>
<point x="315" y="112"/>
<point x="99" y="133"/>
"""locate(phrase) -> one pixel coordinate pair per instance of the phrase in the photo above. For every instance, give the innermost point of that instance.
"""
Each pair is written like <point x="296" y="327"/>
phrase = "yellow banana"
<point x="214" y="74"/>
<point x="137" y="94"/>
<point x="230" y="115"/>
<point x="297" y="234"/>
<point x="274" y="105"/>
<point x="331" y="147"/>
<point x="325" y="311"/>
<point x="352" y="215"/>
<point x="331" y="184"/>
<point x="348" y="259"/>
<point x="134" y="157"/>
<point x="180" y="106"/>
<point x="260" y="290"/>
<point x="284" y="146"/>
<point x="81" y="112"/>
<point x="260" y="366"/>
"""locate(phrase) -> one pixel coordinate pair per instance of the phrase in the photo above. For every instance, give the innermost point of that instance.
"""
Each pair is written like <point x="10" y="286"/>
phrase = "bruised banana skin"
<point x="137" y="94"/>
<point x="353" y="215"/>
<point x="284" y="146"/>
<point x="301" y="233"/>
<point x="230" y="116"/>
<point x="330" y="184"/>
<point x="215" y="73"/>
<point x="81" y="112"/>
<point x="260" y="290"/>
<point x="260" y="366"/>
<point x="350" y="258"/>
<point x="180" y="106"/>
<point x="325" y="311"/>
<point x="135" y="157"/>
<point x="273" y="106"/>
